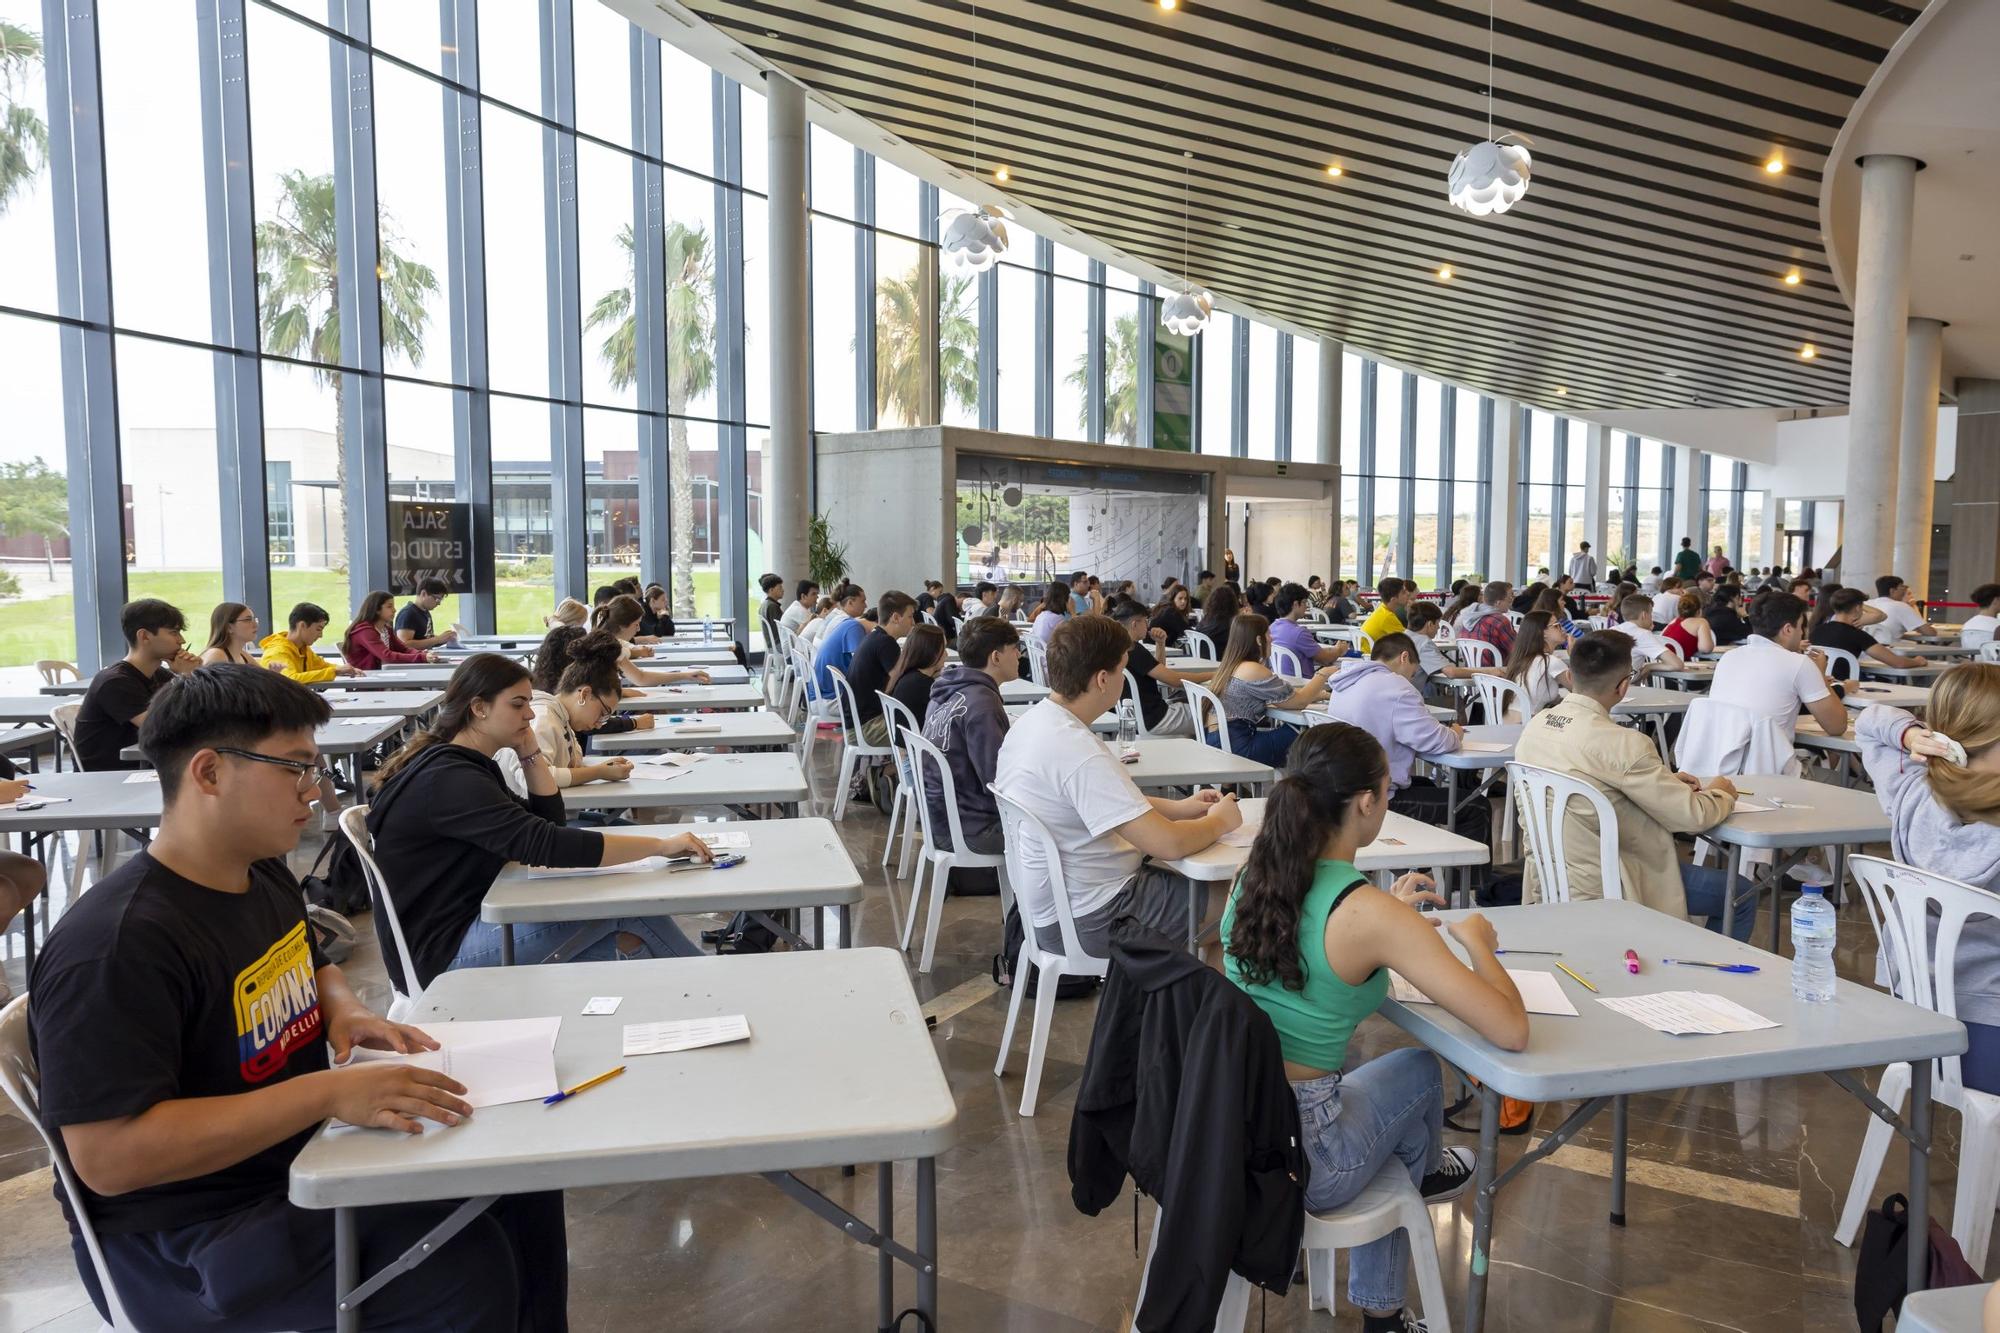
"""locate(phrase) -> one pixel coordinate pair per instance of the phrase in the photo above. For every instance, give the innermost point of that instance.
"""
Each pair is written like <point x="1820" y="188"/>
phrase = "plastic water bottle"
<point x="1128" y="724"/>
<point x="1812" y="946"/>
<point x="707" y="630"/>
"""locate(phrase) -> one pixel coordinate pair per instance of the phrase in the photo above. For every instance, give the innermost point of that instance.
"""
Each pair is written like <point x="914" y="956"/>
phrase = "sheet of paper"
<point x="144" y="775"/>
<point x="1242" y="835"/>
<point x="356" y="722"/>
<point x="498" y="1061"/>
<point x="1687" y="1012"/>
<point x="645" y="865"/>
<point x="1485" y="747"/>
<point x="34" y="802"/>
<point x="1751" y="805"/>
<point x="1540" y="993"/>
<point x="725" y="842"/>
<point x="694" y="729"/>
<point x="603" y="1004"/>
<point x="684" y="1035"/>
<point x="651" y="771"/>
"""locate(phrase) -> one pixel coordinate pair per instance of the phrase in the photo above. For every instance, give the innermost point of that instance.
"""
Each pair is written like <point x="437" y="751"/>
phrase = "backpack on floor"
<point x="336" y="882"/>
<point x="1006" y="962"/>
<point x="332" y="933"/>
<point x="1882" y="1266"/>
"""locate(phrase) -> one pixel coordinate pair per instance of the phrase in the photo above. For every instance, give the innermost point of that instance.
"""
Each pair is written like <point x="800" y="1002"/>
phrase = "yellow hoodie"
<point x="300" y="664"/>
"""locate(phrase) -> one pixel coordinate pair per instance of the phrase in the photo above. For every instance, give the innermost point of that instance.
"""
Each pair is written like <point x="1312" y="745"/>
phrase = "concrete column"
<point x="1504" y="532"/>
<point x="1686" y="516"/>
<point x="1326" y="441"/>
<point x="1875" y="381"/>
<point x="1975" y="489"/>
<point x="1916" y="460"/>
<point x="787" y="458"/>
<point x="1597" y="472"/>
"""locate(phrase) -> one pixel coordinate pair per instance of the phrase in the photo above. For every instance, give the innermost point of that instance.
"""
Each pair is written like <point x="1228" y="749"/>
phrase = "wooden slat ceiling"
<point x="1644" y="269"/>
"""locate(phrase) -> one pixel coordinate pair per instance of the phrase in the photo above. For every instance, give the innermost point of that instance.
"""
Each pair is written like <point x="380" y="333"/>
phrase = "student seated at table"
<point x="1288" y="607"/>
<point x="1387" y="617"/>
<point x="1689" y="633"/>
<point x="290" y="654"/>
<point x="1010" y="603"/>
<point x="22" y="878"/>
<point x="116" y="702"/>
<point x="1650" y="800"/>
<point x="1649" y="647"/>
<point x="1536" y="664"/>
<point x="620" y="617"/>
<point x="1380" y="696"/>
<point x="1049" y="613"/>
<point x="874" y="660"/>
<point x="1172" y="613"/>
<point x="370" y="642"/>
<point x="1312" y="943"/>
<point x="191" y="1039"/>
<point x="585" y="697"/>
<point x="1896" y="600"/>
<point x="985" y="600"/>
<point x="1981" y="627"/>
<point x="1425" y="620"/>
<point x="568" y="611"/>
<point x="414" y="630"/>
<point x="845" y="628"/>
<point x="1102" y="824"/>
<point x="968" y="721"/>
<point x="1249" y="690"/>
<point x="1487" y="620"/>
<point x="1837" y="622"/>
<point x="805" y="598"/>
<point x="814" y="626"/>
<point x="921" y="662"/>
<point x="445" y="824"/>
<point x="1725" y="617"/>
<point x="1945" y="818"/>
<point x="1552" y="604"/>
<point x="232" y="628"/>
<point x="1772" y="674"/>
<point x="772" y="609"/>
<point x="1218" y="614"/>
<point x="554" y="657"/>
<point x="1148" y="664"/>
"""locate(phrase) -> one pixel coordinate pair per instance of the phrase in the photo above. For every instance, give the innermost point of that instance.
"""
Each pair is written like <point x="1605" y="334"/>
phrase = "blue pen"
<point x="1719" y="967"/>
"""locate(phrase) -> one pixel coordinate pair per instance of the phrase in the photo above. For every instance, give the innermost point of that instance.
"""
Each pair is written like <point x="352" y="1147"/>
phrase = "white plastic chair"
<point x="1834" y="655"/>
<point x="939" y="859"/>
<point x="1500" y="694"/>
<point x="1388" y="1203"/>
<point x="64" y="717"/>
<point x="1286" y="662"/>
<point x="813" y="706"/>
<point x="1990" y="651"/>
<point x="354" y="824"/>
<point x="1200" y="646"/>
<point x="1022" y="828"/>
<point x="1919" y="919"/>
<point x="1209" y="715"/>
<point x="1133" y="685"/>
<point x="1038" y="658"/>
<point x="1477" y="652"/>
<point x="1541" y="797"/>
<point x="55" y="671"/>
<point x="853" y="749"/>
<point x="902" y="814"/>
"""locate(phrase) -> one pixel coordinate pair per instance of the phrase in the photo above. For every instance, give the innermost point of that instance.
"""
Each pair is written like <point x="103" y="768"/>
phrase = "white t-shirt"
<point x="1544" y="690"/>
<point x="1059" y="770"/>
<point x="795" y="616"/>
<point x="1768" y="680"/>
<point x="1647" y="645"/>
<point x="1900" y="619"/>
<point x="814" y="630"/>
<point x="1978" y="630"/>
<point x="1666" y="606"/>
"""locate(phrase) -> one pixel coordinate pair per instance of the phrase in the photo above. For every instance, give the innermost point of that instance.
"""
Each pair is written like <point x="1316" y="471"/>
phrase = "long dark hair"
<point x="1249" y="641"/>
<point x="922" y="647"/>
<point x="1467" y="595"/>
<point x="1221" y="607"/>
<point x="553" y="656"/>
<point x="1328" y="767"/>
<point x="1530" y="643"/>
<point x="370" y="612"/>
<point x="593" y="665"/>
<point x="1055" y="598"/>
<point x="1834" y="600"/>
<point x="616" y="614"/>
<point x="481" y="676"/>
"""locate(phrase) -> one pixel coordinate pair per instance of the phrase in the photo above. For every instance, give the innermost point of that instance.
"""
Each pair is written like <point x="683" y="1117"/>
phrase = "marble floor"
<point x="1734" y="1194"/>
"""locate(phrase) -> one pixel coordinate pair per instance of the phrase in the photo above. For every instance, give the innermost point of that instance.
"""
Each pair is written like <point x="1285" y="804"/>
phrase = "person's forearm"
<point x="336" y="997"/>
<point x="1489" y="969"/>
<point x="540" y="779"/>
<point x="195" y="1136"/>
<point x="624" y="848"/>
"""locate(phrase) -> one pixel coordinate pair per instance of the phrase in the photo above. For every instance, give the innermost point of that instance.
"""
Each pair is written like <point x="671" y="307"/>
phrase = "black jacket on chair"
<point x="1185" y="1090"/>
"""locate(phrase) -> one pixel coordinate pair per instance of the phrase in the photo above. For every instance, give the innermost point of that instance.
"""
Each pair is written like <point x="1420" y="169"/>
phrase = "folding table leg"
<point x="1483" y="1190"/>
<point x="885" y="1266"/>
<point x="1618" y="1125"/>
<point x="346" y="1271"/>
<point x="1920" y="1171"/>
<point x="927" y="1238"/>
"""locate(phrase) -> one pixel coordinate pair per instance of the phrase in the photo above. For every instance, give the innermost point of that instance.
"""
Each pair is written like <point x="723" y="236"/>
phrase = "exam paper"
<point x="643" y="866"/>
<point x="144" y="775"/>
<point x="1750" y="805"/>
<point x="1540" y="993"/>
<point x="498" y="1061"/>
<point x="1686" y="1012"/>
<point x="725" y="842"/>
<point x="1242" y="835"/>
<point x="1484" y="747"/>
<point x="684" y="1035"/>
<point x="355" y="722"/>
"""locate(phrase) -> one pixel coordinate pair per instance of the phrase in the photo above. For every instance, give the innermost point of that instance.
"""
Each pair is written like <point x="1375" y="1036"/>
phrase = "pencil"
<point x="1577" y="979"/>
<point x="588" y="1083"/>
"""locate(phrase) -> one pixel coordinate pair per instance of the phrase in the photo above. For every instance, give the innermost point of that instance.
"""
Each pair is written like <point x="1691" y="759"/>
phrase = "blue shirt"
<point x="836" y="649"/>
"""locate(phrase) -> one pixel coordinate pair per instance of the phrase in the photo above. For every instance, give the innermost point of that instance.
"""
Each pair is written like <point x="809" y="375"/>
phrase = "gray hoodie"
<point x="967" y="721"/>
<point x="1924" y="834"/>
<point x="1389" y="708"/>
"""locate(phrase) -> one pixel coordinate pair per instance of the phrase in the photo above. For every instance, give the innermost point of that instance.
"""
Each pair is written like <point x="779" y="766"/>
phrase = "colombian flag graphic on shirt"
<point x="277" y="1006"/>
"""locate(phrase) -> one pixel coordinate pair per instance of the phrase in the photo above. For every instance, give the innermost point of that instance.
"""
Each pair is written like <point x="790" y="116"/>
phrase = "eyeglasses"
<point x="311" y="773"/>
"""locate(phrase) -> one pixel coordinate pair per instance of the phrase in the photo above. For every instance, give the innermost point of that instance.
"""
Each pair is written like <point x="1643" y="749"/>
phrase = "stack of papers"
<point x="505" y="1060"/>
<point x="684" y="1035"/>
<point x="724" y="842"/>
<point x="357" y="722"/>
<point x="1540" y="993"/>
<point x="663" y="767"/>
<point x="144" y="775"/>
<point x="1686" y="1012"/>
<point x="1242" y="835"/>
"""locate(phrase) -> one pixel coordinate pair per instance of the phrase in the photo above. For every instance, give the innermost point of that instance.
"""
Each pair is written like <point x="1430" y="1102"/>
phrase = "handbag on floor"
<point x="1882" y="1265"/>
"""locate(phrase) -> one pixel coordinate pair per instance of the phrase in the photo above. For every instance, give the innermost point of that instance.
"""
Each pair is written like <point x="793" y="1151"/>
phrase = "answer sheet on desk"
<point x="1687" y="1012"/>
<point x="1541" y="993"/>
<point x="684" y="1035"/>
<point x="498" y="1060"/>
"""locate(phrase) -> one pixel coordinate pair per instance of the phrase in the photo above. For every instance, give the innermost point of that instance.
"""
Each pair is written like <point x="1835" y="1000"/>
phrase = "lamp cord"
<point x="1489" y="69"/>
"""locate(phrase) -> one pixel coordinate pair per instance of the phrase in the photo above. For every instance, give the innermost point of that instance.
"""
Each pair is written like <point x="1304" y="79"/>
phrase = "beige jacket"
<point x="1578" y="737"/>
<point x="561" y="750"/>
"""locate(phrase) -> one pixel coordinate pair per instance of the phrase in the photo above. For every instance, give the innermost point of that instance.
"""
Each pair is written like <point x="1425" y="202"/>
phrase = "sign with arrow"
<point x="429" y="539"/>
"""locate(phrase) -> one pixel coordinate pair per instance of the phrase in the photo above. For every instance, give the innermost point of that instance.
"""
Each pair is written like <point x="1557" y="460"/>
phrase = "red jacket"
<point x="365" y="649"/>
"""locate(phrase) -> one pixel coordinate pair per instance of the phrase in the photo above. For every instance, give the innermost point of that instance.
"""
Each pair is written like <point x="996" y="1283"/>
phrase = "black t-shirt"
<point x="413" y="622"/>
<point x="153" y="988"/>
<point x="1170" y="619"/>
<point x="913" y="691"/>
<point x="869" y="670"/>
<point x="104" y="723"/>
<point x="653" y="626"/>
<point x="1726" y="624"/>
<point x="1833" y="634"/>
<point x="1140" y="662"/>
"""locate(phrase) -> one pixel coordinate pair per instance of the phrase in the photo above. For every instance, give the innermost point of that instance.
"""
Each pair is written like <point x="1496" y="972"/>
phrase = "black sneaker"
<point x="1452" y="1178"/>
<point x="1400" y="1322"/>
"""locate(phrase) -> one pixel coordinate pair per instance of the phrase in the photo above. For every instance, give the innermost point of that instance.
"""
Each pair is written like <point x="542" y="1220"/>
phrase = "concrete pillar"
<point x="1687" y="516"/>
<point x="1503" y="534"/>
<point x="1975" y="490"/>
<point x="1326" y="441"/>
<point x="1875" y="381"/>
<point x="1916" y="459"/>
<point x="1597" y="471"/>
<point x="788" y="458"/>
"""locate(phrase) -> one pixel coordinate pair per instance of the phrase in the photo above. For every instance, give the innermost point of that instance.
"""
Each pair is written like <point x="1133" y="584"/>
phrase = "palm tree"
<point x="298" y="290"/>
<point x="1121" y="383"/>
<point x="24" y="137"/>
<point x="689" y="277"/>
<point x="899" y="347"/>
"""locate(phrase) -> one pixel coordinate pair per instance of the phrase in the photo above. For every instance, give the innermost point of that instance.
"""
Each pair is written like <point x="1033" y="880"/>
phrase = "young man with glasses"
<point x="191" y="1039"/>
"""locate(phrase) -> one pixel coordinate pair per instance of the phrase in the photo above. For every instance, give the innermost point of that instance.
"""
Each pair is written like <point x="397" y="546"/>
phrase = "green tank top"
<point x="1313" y="1024"/>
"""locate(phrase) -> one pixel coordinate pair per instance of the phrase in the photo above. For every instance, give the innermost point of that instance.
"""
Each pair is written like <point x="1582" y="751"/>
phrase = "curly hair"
<point x="1328" y="767"/>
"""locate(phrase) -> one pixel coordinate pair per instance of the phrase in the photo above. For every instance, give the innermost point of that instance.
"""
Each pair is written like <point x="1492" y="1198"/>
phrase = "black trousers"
<point x="270" y="1267"/>
<point x="1425" y="800"/>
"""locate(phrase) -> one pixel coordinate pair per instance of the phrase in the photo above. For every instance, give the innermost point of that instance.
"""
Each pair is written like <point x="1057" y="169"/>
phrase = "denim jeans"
<point x="1266" y="747"/>
<point x="1703" y="886"/>
<point x="533" y="943"/>
<point x="1352" y="1124"/>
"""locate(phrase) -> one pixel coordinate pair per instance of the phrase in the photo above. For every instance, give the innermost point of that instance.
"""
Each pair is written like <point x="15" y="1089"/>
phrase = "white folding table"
<point x="1182" y="761"/>
<point x="59" y="803"/>
<point x="1403" y="844"/>
<point x="1480" y="759"/>
<point x="746" y="729"/>
<point x="1843" y="748"/>
<point x="343" y="739"/>
<point x="789" y="864"/>
<point x="1916" y="675"/>
<point x="1602" y="1056"/>
<point x="1810" y="814"/>
<point x="1914" y="697"/>
<point x="1023" y="691"/>
<point x="719" y="673"/>
<point x="1946" y="1310"/>
<point x="396" y="676"/>
<point x="27" y="708"/>
<point x="839" y="1069"/>
<point x="381" y="703"/>
<point x="689" y="698"/>
<point x="738" y="780"/>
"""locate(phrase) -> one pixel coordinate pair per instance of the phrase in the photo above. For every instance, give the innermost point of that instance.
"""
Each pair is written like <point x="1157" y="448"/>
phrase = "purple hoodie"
<point x="1372" y="697"/>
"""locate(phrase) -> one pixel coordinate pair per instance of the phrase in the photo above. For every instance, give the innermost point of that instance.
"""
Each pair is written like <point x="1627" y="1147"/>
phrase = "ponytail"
<point x="1965" y="705"/>
<point x="1328" y="767"/>
<point x="481" y="676"/>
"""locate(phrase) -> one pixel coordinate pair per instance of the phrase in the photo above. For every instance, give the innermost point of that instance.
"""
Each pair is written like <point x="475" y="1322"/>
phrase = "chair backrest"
<point x="1919" y="917"/>
<point x="930" y="617"/>
<point x="1209" y="715"/>
<point x="899" y="718"/>
<point x="1200" y="645"/>
<point x="64" y="716"/>
<point x="1542" y="797"/>
<point x="22" y="1083"/>
<point x="1286" y="662"/>
<point x="354" y="824"/>
<point x="1834" y="655"/>
<point x="55" y="671"/>
<point x="1500" y="694"/>
<point x="1038" y="658"/>
<point x="850" y="709"/>
<point x="1022" y="830"/>
<point x="928" y="768"/>
<point x="802" y="670"/>
<point x="1132" y="687"/>
<point x="1990" y="651"/>
<point x="1515" y="616"/>
<point x="1477" y="652"/>
<point x="1724" y="739"/>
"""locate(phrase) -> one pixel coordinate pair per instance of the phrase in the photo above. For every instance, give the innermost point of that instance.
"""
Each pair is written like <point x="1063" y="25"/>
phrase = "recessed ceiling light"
<point x="1807" y="351"/>
<point x="1444" y="273"/>
<point x="1561" y="392"/>
<point x="1794" y="278"/>
<point x="1233" y="226"/>
<point x="1334" y="169"/>
<point x="1671" y="374"/>
<point x="1000" y="174"/>
<point x="1170" y="4"/>
<point x="1775" y="164"/>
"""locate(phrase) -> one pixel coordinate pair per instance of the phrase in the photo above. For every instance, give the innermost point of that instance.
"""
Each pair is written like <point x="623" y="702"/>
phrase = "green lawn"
<point x="35" y="629"/>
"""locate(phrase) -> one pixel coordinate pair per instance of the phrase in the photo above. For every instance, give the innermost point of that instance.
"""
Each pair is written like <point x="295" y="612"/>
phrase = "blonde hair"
<point x="1965" y="705"/>
<point x="569" y="611"/>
